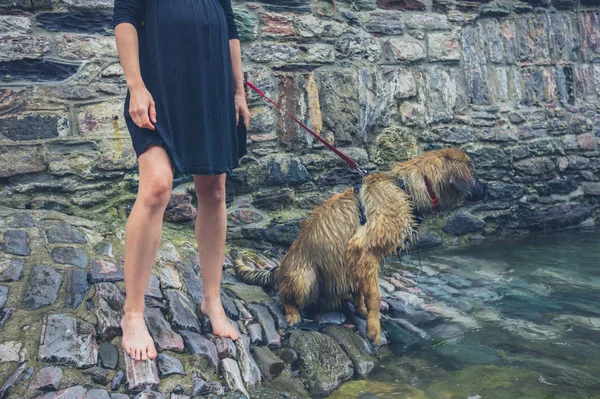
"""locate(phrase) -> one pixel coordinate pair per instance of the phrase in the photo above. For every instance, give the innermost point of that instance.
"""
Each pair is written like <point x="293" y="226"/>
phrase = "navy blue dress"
<point x="185" y="64"/>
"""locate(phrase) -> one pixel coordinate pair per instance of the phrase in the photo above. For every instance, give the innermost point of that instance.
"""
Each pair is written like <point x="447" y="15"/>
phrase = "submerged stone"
<point x="322" y="363"/>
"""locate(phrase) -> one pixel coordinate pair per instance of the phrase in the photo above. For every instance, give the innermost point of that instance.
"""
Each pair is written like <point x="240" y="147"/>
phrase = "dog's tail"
<point x="248" y="275"/>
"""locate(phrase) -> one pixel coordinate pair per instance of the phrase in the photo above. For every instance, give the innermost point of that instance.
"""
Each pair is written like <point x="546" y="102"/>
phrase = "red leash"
<point x="345" y="157"/>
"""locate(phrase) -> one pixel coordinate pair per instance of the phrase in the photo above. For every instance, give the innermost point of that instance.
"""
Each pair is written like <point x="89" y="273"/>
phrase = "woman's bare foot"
<point x="218" y="319"/>
<point x="137" y="341"/>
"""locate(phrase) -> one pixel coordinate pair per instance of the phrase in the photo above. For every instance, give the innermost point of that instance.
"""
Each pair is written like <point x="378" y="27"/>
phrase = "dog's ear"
<point x="462" y="181"/>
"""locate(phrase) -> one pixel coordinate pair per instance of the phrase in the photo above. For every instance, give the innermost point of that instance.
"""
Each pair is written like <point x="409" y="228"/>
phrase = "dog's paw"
<point x="362" y="311"/>
<point x="374" y="332"/>
<point x="293" y="318"/>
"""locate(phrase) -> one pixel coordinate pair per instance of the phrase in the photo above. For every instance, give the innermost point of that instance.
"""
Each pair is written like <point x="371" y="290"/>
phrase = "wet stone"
<point x="225" y="347"/>
<point x="331" y="317"/>
<point x="229" y="307"/>
<point x="357" y="349"/>
<point x="98" y="375"/>
<point x="97" y="394"/>
<point x="272" y="337"/>
<point x="193" y="282"/>
<point x="12" y="379"/>
<point x="164" y="337"/>
<point x="75" y="392"/>
<point x="16" y="242"/>
<point x="268" y="362"/>
<point x="169" y="278"/>
<point x="47" y="379"/>
<point x="11" y="269"/>
<point x="199" y="385"/>
<point x="109" y="355"/>
<point x="232" y="376"/>
<point x="289" y="356"/>
<point x="168" y="365"/>
<point x="3" y="295"/>
<point x="12" y="352"/>
<point x="255" y="332"/>
<point x="361" y="326"/>
<point x="141" y="374"/>
<point x="181" y="311"/>
<point x="64" y="233"/>
<point x="278" y="314"/>
<point x="104" y="248"/>
<point x="196" y="344"/>
<point x="463" y="223"/>
<point x="71" y="256"/>
<point x="153" y="289"/>
<point x="117" y="380"/>
<point x="77" y="286"/>
<point x="322" y="363"/>
<point x="248" y="367"/>
<point x="43" y="287"/>
<point x="244" y="314"/>
<point x="22" y="220"/>
<point x="249" y="293"/>
<point x="68" y="341"/>
<point x="105" y="271"/>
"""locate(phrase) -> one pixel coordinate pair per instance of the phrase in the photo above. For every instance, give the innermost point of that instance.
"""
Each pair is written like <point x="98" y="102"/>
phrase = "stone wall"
<point x="514" y="83"/>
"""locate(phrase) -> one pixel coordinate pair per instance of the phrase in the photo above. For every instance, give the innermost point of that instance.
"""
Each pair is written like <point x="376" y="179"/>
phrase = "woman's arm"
<point x="127" y="15"/>
<point x="236" y="63"/>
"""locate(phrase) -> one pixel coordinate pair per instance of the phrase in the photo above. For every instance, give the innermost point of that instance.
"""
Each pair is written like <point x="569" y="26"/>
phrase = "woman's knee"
<point x="156" y="192"/>
<point x="210" y="189"/>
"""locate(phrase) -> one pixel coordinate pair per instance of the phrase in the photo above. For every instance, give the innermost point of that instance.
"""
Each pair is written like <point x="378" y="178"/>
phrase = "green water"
<point x="521" y="319"/>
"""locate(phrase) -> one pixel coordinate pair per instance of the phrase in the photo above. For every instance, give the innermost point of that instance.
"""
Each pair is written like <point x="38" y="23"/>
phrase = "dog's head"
<point x="441" y="179"/>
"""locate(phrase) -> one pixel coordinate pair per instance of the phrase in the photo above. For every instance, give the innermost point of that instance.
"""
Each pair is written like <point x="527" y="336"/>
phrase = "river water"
<point x="517" y="318"/>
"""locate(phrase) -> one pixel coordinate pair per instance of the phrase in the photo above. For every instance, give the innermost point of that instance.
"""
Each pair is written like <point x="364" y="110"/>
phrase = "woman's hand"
<point x="142" y="108"/>
<point x="241" y="108"/>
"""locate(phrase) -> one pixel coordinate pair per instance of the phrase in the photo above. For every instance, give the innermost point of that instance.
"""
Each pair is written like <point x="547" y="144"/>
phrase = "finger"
<point x="146" y="122"/>
<point x="153" y="112"/>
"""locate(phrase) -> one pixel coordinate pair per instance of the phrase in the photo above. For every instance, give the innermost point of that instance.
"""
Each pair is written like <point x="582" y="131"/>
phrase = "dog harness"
<point x="400" y="183"/>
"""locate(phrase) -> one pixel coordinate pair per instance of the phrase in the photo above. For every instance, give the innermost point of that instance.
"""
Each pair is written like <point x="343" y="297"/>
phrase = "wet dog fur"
<point x="335" y="256"/>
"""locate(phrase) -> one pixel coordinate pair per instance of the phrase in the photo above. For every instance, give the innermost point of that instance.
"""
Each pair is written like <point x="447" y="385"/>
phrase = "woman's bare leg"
<point x="211" y="229"/>
<point x="143" y="233"/>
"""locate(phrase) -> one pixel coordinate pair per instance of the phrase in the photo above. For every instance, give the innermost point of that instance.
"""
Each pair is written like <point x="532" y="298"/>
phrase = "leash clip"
<point x="362" y="172"/>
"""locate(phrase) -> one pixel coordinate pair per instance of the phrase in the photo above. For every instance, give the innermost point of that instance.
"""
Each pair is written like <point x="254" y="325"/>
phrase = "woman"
<point x="185" y="95"/>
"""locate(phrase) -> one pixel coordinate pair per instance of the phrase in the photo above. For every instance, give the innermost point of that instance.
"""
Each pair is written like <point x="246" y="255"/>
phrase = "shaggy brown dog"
<point x="335" y="255"/>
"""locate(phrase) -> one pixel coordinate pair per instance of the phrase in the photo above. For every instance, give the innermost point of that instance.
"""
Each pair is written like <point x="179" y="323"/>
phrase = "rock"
<point x="357" y="349"/>
<point x="3" y="295"/>
<point x="97" y="394"/>
<point x="403" y="50"/>
<point x="361" y="326"/>
<point x="193" y="282"/>
<point x="270" y="365"/>
<point x="77" y="286"/>
<point x="12" y="379"/>
<point x="429" y="240"/>
<point x="164" y="337"/>
<point x="255" y="332"/>
<point x="322" y="363"/>
<point x="467" y="354"/>
<point x="43" y="287"/>
<point x="109" y="355"/>
<point x="225" y="348"/>
<point x="243" y="313"/>
<point x="267" y="323"/>
<point x="108" y="321"/>
<point x="196" y="344"/>
<point x="248" y="367"/>
<point x="64" y="233"/>
<point x="168" y="365"/>
<point x="153" y="289"/>
<point x="105" y="271"/>
<point x="249" y="293"/>
<point x="115" y="384"/>
<point x="148" y="395"/>
<point x="118" y="396"/>
<point x="463" y="223"/>
<point x="47" y="379"/>
<point x="560" y="215"/>
<point x="5" y="315"/>
<point x="331" y="317"/>
<point x="75" y="392"/>
<point x="181" y="311"/>
<point x="278" y="314"/>
<point x="169" y="278"/>
<point x="12" y="351"/>
<point x="289" y="356"/>
<point x="229" y="307"/>
<point x="16" y="242"/>
<point x="401" y="340"/>
<point x="71" y="256"/>
<point x="11" y="269"/>
<point x="231" y="374"/>
<point x="141" y="374"/>
<point x="98" y="375"/>
<point x="65" y="340"/>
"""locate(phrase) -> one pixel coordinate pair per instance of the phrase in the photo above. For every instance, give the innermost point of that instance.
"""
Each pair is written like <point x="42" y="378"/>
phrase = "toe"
<point x="151" y="352"/>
